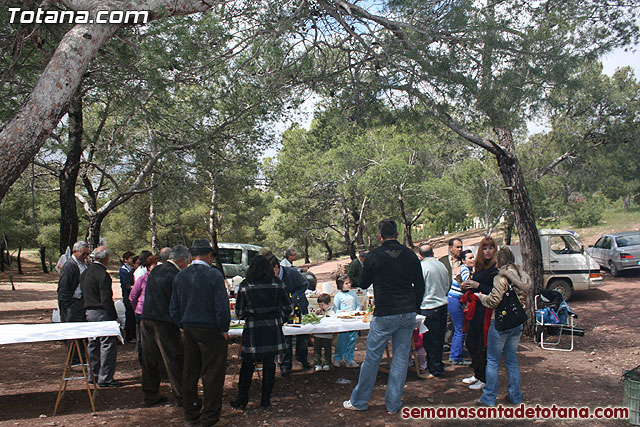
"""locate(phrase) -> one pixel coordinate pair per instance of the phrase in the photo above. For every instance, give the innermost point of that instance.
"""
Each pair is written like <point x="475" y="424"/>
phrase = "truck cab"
<point x="567" y="266"/>
<point x="236" y="257"/>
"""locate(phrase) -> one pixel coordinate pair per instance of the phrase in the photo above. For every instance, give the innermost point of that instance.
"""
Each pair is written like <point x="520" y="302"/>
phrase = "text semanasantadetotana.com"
<point x="41" y="16"/>
<point x="514" y="412"/>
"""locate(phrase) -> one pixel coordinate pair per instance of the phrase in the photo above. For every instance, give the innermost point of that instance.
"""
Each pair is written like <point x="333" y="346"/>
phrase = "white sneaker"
<point x="337" y="364"/>
<point x="347" y="405"/>
<point x="326" y="367"/>
<point x="470" y="380"/>
<point x="478" y="385"/>
<point x="318" y="368"/>
<point x="352" y="364"/>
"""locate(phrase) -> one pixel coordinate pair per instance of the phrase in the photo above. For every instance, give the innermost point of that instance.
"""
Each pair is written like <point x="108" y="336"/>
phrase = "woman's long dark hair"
<point x="260" y="270"/>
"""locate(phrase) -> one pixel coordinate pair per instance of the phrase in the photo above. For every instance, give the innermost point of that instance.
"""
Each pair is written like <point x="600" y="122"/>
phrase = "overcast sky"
<point x="620" y="58"/>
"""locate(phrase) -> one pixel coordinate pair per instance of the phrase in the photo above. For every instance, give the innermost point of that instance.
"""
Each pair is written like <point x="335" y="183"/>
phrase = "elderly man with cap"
<point x="161" y="340"/>
<point x="200" y="306"/>
<point x="98" y="303"/>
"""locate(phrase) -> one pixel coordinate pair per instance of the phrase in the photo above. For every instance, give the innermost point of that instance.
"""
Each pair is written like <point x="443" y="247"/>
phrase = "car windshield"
<point x="565" y="245"/>
<point x="632" y="240"/>
<point x="575" y="246"/>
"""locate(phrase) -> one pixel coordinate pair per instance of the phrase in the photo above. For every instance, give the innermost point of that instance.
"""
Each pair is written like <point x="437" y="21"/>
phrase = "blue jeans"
<point x="398" y="327"/>
<point x="457" y="318"/>
<point x="498" y="343"/>
<point x="345" y="346"/>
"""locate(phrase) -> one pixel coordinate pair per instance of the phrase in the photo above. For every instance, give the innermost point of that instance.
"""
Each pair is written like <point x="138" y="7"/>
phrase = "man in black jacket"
<point x="70" y="304"/>
<point x="161" y="339"/>
<point x="200" y="306"/>
<point x="69" y="291"/>
<point x="98" y="303"/>
<point x="398" y="287"/>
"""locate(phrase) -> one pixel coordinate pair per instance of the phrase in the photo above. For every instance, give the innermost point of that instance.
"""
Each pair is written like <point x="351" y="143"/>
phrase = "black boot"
<point x="268" y="380"/>
<point x="244" y="382"/>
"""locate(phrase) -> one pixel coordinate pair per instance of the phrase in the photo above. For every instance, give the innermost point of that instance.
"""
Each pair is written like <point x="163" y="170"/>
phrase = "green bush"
<point x="587" y="212"/>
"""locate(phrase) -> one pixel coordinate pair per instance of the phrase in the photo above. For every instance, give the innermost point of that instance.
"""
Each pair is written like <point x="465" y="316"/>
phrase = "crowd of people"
<point x="178" y="313"/>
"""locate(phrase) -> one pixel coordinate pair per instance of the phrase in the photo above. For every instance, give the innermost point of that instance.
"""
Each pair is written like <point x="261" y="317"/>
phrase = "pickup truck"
<point x="567" y="266"/>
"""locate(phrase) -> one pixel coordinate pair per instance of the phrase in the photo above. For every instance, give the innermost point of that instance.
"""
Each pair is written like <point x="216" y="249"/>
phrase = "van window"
<point x="564" y="245"/>
<point x="230" y="256"/>
<point x="252" y="255"/>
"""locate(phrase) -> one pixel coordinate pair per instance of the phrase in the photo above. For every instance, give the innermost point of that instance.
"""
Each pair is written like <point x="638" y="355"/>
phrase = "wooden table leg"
<point x="65" y="372"/>
<point x="74" y="349"/>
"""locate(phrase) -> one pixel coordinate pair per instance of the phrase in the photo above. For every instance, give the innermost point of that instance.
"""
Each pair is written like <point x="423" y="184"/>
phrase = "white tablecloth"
<point x="21" y="333"/>
<point x="329" y="325"/>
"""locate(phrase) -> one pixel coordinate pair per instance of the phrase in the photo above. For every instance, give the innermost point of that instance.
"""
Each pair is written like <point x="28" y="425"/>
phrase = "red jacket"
<point x="470" y="301"/>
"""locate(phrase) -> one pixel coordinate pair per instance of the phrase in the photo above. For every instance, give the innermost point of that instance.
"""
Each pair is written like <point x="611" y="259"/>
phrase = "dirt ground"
<point x="589" y="376"/>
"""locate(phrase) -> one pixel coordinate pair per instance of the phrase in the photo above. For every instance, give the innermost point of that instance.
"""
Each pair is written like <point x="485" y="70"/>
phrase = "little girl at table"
<point x="345" y="300"/>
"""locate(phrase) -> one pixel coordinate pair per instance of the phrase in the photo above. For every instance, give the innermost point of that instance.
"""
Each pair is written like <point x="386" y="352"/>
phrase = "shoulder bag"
<point x="509" y="312"/>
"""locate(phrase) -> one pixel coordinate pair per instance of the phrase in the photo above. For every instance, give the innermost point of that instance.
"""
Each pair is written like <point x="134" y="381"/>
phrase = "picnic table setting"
<point x="313" y="324"/>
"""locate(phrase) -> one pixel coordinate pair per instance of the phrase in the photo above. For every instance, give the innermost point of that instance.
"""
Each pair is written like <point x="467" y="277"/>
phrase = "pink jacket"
<point x="136" y="297"/>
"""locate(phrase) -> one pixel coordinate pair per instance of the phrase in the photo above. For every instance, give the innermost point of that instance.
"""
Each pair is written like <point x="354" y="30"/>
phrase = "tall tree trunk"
<point x="508" y="230"/>
<point x="358" y="219"/>
<point x="68" y="176"/>
<point x="212" y="220"/>
<point x="152" y="219"/>
<point x="523" y="215"/>
<point x="487" y="208"/>
<point x="347" y="234"/>
<point x="406" y="223"/>
<point x="93" y="230"/>
<point x="43" y="259"/>
<point x="306" y="250"/>
<point x="329" y="250"/>
<point x="19" y="261"/>
<point x="2" y="248"/>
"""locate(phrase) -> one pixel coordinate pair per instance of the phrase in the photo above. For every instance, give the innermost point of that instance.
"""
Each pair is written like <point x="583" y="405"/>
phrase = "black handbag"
<point x="509" y="312"/>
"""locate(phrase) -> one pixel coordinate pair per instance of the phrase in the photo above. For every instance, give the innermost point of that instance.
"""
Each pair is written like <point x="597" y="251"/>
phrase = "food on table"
<point x="311" y="318"/>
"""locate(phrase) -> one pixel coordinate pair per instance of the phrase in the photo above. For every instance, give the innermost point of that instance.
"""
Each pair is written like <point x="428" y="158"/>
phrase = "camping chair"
<point x="554" y="317"/>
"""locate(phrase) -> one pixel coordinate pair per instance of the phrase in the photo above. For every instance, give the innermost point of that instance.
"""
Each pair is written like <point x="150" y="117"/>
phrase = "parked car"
<point x="236" y="257"/>
<point x="567" y="266"/>
<point x="617" y="251"/>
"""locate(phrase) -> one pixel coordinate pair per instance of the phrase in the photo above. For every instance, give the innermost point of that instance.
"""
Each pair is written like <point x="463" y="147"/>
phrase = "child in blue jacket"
<point x="345" y="300"/>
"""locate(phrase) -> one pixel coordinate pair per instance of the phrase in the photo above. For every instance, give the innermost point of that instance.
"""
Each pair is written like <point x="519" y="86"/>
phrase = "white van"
<point x="236" y="257"/>
<point x="567" y="266"/>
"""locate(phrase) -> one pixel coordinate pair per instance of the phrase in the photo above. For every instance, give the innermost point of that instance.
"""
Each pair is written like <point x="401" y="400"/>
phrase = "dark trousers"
<point x="103" y="350"/>
<point x="301" y="351"/>
<point x="130" y="316"/>
<point x="161" y="346"/>
<point x="246" y="375"/>
<point x="433" y="340"/>
<point x="320" y="345"/>
<point x="139" y="338"/>
<point x="205" y="351"/>
<point x="74" y="313"/>
<point x="477" y="349"/>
